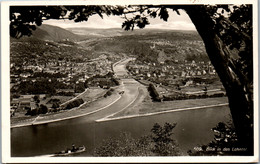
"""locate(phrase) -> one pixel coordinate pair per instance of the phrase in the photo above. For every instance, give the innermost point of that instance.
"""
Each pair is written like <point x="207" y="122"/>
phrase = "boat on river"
<point x="70" y="151"/>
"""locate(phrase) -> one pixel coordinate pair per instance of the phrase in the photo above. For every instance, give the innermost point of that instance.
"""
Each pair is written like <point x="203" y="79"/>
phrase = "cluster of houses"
<point x="157" y="72"/>
<point x="20" y="103"/>
<point x="81" y="71"/>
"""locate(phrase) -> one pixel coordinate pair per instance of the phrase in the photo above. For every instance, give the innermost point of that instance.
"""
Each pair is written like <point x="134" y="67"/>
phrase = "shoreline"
<point x="65" y="118"/>
<point x="111" y="118"/>
<point x="160" y="112"/>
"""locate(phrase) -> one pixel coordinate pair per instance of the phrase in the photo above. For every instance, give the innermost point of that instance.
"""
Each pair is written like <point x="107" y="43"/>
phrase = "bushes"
<point x="55" y="105"/>
<point x="116" y="82"/>
<point x="80" y="87"/>
<point x="105" y="81"/>
<point x="41" y="110"/>
<point x="74" y="103"/>
<point x="43" y="86"/>
<point x="109" y="92"/>
<point x="153" y="93"/>
<point x="186" y="97"/>
<point x="62" y="93"/>
<point x="51" y="101"/>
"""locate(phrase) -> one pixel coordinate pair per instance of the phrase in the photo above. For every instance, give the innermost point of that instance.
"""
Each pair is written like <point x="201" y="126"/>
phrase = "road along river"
<point x="193" y="126"/>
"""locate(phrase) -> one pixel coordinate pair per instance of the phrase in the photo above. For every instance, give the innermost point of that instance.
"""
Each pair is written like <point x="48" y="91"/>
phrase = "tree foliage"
<point x="159" y="143"/>
<point x="225" y="143"/>
<point x="164" y="145"/>
<point x="55" y="105"/>
<point x="42" y="109"/>
<point x="74" y="103"/>
<point x="153" y="92"/>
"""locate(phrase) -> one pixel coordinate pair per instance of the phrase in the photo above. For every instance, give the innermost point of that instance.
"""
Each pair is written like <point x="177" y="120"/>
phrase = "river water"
<point x="193" y="129"/>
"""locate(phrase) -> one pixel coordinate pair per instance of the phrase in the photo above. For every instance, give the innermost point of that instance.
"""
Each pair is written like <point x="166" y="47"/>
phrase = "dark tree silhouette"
<point x="159" y="143"/>
<point x="164" y="145"/>
<point x="225" y="29"/>
<point x="224" y="143"/>
<point x="43" y="109"/>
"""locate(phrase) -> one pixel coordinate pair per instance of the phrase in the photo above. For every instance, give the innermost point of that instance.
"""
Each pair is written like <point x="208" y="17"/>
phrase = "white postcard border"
<point x="5" y="88"/>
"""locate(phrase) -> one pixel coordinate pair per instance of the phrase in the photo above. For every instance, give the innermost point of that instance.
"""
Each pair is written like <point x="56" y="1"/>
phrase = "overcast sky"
<point x="175" y="22"/>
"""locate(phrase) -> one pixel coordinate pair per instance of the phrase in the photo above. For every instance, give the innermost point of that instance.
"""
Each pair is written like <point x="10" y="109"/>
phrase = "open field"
<point x="150" y="107"/>
<point x="92" y="93"/>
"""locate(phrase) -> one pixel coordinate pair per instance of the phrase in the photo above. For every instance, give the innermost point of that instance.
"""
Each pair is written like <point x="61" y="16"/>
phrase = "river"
<point x="193" y="129"/>
<point x="193" y="126"/>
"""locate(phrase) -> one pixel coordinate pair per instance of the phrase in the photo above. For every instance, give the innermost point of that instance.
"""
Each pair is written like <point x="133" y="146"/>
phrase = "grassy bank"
<point x="148" y="106"/>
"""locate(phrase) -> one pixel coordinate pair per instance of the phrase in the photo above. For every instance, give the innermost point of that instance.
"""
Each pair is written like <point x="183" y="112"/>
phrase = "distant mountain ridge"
<point x="55" y="33"/>
<point x="112" y="32"/>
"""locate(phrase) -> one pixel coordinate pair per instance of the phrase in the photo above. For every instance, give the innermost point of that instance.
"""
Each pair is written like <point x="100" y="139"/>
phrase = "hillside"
<point x="32" y="50"/>
<point x="52" y="33"/>
<point x="57" y="34"/>
<point x="148" y="43"/>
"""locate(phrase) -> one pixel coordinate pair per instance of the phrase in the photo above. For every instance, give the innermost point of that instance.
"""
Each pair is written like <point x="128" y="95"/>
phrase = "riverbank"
<point x="89" y="107"/>
<point x="141" y="106"/>
<point x="154" y="108"/>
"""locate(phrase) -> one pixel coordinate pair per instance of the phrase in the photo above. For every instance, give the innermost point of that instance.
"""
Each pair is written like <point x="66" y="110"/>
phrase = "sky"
<point x="175" y="22"/>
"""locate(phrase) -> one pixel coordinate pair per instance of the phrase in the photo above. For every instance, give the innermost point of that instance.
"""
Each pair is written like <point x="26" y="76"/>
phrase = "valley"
<point x="91" y="77"/>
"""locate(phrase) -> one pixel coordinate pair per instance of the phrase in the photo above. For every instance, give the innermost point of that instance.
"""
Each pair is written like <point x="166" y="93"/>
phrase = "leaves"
<point x="164" y="14"/>
<point x="141" y="22"/>
<point x="128" y="24"/>
<point x="153" y="14"/>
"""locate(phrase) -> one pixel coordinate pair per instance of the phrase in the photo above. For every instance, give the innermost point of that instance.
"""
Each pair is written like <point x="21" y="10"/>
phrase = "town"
<point x="45" y="86"/>
<point x="173" y="81"/>
<point x="51" y="80"/>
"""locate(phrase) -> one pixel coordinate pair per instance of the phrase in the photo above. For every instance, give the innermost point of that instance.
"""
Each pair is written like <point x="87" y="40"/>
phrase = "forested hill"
<point x="146" y="44"/>
<point x="52" y="33"/>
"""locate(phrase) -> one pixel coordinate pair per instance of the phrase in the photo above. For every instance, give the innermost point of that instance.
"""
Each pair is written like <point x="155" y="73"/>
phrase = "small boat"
<point x="73" y="150"/>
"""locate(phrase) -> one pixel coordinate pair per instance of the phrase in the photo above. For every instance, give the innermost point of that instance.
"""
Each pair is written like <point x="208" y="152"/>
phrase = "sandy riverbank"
<point x="147" y="108"/>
